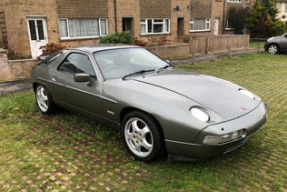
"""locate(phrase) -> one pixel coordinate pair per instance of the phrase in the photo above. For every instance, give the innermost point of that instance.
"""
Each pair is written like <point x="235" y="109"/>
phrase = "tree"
<point x="237" y="19"/>
<point x="262" y="21"/>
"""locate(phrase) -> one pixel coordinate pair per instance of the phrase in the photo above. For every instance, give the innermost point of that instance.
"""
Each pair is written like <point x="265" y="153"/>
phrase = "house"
<point x="281" y="5"/>
<point x="27" y="25"/>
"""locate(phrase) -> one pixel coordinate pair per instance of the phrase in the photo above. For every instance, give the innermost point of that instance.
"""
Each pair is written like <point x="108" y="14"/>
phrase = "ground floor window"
<point x="199" y="24"/>
<point x="82" y="28"/>
<point x="228" y="25"/>
<point x="154" y="26"/>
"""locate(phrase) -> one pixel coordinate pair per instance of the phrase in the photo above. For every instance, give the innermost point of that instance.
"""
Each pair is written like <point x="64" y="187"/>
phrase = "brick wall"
<point x="155" y="9"/>
<point x="84" y="9"/>
<point x="201" y="9"/>
<point x="16" y="14"/>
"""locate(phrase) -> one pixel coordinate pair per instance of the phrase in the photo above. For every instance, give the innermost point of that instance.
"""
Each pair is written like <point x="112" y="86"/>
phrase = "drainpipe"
<point x="115" y="7"/>
<point x="223" y="26"/>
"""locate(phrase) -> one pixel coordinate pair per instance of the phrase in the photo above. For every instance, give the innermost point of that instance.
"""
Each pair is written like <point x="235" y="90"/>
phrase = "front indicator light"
<point x="218" y="139"/>
<point x="199" y="114"/>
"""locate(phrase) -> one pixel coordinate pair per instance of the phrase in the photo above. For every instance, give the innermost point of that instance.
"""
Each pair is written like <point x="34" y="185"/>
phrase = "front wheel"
<point x="273" y="49"/>
<point x="44" y="100"/>
<point x="142" y="136"/>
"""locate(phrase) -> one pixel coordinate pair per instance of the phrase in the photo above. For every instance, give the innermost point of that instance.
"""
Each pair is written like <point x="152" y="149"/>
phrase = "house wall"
<point x="155" y="9"/>
<point x="282" y="13"/>
<point x="129" y="9"/>
<point x="16" y="14"/>
<point x="87" y="9"/>
<point x="184" y="13"/>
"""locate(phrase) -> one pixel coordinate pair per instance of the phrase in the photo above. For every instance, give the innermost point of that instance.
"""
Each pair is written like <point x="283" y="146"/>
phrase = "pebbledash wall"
<point x="177" y="16"/>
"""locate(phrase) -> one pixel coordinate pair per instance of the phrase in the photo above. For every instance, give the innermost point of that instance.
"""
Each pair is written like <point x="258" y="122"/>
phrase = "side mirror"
<point x="82" y="77"/>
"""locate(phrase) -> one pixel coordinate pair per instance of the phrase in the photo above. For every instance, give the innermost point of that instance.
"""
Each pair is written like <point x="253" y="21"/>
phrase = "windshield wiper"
<point x="163" y="68"/>
<point x="137" y="73"/>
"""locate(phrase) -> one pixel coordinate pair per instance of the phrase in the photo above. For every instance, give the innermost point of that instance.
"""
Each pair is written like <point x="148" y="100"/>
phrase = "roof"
<point x="101" y="47"/>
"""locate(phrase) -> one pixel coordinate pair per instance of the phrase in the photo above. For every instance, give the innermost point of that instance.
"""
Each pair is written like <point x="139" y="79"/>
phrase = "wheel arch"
<point x="274" y="43"/>
<point x="127" y="110"/>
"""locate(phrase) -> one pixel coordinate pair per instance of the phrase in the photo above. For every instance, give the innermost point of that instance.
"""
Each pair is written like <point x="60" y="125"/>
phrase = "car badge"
<point x="241" y="107"/>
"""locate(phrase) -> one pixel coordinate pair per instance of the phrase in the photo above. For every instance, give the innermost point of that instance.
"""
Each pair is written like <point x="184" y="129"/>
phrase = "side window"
<point x="77" y="63"/>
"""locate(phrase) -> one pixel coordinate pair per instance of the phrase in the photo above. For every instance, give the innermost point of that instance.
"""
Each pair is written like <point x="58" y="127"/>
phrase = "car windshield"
<point x="121" y="63"/>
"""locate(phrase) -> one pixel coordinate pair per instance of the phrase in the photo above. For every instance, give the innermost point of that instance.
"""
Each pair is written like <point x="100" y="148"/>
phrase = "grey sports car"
<point x="276" y="44"/>
<point x="157" y="108"/>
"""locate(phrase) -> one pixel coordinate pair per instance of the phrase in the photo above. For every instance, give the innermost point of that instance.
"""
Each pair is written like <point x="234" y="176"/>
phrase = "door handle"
<point x="54" y="77"/>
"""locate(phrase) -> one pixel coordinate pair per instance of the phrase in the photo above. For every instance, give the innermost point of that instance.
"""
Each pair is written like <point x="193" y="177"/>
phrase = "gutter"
<point x="115" y="8"/>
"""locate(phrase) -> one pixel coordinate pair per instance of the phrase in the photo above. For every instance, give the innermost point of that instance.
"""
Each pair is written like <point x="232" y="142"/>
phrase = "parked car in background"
<point x="157" y="108"/>
<point x="276" y="44"/>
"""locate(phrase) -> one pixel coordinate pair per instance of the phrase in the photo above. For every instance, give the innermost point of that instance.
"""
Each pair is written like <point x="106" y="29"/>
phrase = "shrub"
<point x="124" y="37"/>
<point x="51" y="48"/>
<point x="278" y="28"/>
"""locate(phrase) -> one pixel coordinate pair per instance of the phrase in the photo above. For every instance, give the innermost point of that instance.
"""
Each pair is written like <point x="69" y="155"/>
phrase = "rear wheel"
<point x="44" y="100"/>
<point x="273" y="49"/>
<point x="141" y="136"/>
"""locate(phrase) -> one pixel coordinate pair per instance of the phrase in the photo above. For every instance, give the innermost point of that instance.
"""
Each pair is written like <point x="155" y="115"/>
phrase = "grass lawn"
<point x="67" y="152"/>
<point x="253" y="44"/>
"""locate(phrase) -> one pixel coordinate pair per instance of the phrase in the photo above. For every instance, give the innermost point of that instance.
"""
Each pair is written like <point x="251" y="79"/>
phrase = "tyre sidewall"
<point x="157" y="136"/>
<point x="50" y="102"/>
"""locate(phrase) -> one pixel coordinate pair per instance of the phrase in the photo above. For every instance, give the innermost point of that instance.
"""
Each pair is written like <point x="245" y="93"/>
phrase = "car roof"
<point x="97" y="47"/>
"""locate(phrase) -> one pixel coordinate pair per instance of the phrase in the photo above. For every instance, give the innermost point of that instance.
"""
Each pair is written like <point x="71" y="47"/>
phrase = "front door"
<point x="216" y="26"/>
<point x="180" y="26"/>
<point x="37" y="34"/>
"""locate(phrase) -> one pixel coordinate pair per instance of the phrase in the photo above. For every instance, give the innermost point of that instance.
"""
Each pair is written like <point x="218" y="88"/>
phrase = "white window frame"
<point x="234" y="1"/>
<point x="207" y="21"/>
<point x="163" y="22"/>
<point x="83" y="37"/>
<point x="247" y="1"/>
<point x="228" y="28"/>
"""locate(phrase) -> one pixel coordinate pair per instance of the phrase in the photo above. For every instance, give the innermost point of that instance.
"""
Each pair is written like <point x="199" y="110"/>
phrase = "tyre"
<point x="44" y="100"/>
<point x="273" y="49"/>
<point x="142" y="137"/>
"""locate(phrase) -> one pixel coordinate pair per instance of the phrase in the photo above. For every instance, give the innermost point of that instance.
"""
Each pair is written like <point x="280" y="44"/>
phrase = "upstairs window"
<point x="82" y="28"/>
<point x="154" y="26"/>
<point x="199" y="24"/>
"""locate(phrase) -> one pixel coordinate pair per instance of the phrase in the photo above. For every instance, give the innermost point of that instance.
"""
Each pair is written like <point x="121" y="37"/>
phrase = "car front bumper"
<point x="251" y="122"/>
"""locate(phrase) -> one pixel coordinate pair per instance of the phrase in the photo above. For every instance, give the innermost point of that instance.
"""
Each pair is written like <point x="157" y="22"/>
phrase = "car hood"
<point x="220" y="96"/>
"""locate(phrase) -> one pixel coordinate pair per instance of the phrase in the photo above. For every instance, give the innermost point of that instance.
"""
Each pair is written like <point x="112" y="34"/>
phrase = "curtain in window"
<point x="63" y="28"/>
<point x="199" y="24"/>
<point x="103" y="27"/>
<point x="75" y="27"/>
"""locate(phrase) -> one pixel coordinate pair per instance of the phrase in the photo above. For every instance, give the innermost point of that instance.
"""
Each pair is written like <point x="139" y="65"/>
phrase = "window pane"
<point x="149" y="24"/>
<point x="158" y="28"/>
<point x="32" y="28"/>
<point x="158" y="20"/>
<point x="103" y="27"/>
<point x="199" y="24"/>
<point x="63" y="28"/>
<point x="143" y="28"/>
<point x="166" y="25"/>
<point x="74" y="28"/>
<point x="77" y="63"/>
<point x="40" y="30"/>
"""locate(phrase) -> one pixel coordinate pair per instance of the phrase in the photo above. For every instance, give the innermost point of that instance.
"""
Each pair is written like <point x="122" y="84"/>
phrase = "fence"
<point x="216" y="44"/>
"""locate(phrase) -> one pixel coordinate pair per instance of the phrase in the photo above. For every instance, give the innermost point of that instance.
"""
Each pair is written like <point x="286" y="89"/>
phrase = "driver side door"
<point x="81" y="96"/>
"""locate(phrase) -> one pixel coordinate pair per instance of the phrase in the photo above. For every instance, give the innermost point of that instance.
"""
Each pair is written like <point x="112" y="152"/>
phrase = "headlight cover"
<point x="218" y="139"/>
<point x="247" y="93"/>
<point x="199" y="114"/>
